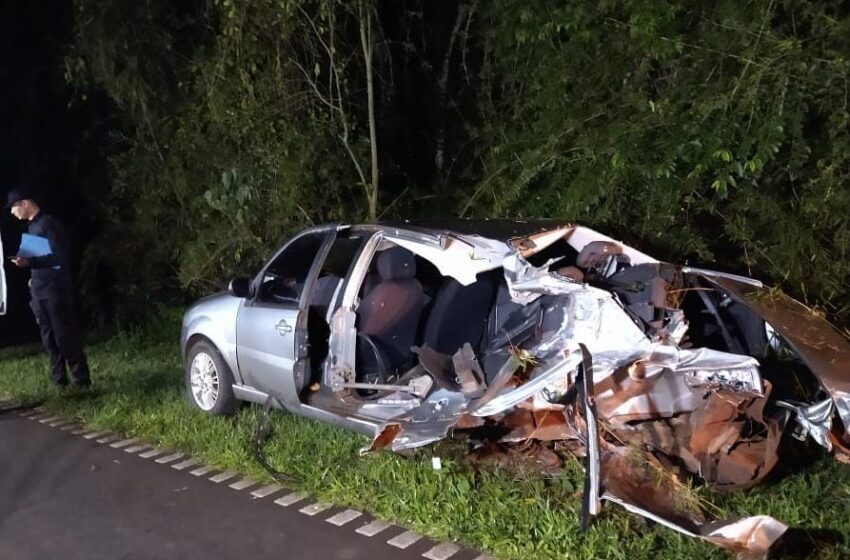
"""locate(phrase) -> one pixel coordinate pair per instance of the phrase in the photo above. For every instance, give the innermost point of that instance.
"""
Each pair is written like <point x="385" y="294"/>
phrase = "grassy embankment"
<point x="139" y="393"/>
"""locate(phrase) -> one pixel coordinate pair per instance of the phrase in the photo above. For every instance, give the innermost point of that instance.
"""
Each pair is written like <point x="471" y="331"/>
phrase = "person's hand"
<point x="21" y="261"/>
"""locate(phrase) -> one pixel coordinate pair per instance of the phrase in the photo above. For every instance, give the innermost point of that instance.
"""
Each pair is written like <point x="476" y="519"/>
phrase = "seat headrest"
<point x="396" y="263"/>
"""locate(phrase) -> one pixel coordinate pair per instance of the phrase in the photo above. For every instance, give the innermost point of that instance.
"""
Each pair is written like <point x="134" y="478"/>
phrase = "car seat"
<point x="389" y="314"/>
<point x="459" y="314"/>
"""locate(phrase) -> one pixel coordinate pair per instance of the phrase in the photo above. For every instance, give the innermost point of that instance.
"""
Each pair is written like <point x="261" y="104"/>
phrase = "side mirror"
<point x="240" y="287"/>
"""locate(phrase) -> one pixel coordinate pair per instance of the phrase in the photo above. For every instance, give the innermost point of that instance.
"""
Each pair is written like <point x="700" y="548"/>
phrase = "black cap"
<point x="17" y="195"/>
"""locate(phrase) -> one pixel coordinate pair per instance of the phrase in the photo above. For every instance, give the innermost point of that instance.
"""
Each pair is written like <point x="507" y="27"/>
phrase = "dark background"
<point x="683" y="150"/>
<point x="49" y="139"/>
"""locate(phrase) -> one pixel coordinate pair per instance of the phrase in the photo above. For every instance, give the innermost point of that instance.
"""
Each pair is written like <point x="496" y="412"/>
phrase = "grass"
<point x="139" y="393"/>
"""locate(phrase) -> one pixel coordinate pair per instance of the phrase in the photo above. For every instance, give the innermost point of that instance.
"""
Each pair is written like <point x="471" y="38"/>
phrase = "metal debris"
<point x="634" y="364"/>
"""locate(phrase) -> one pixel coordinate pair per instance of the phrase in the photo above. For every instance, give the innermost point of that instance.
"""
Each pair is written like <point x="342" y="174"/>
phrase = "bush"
<point x="715" y="133"/>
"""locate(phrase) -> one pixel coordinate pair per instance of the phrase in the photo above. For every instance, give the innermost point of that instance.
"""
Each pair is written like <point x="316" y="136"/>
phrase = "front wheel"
<point x="209" y="383"/>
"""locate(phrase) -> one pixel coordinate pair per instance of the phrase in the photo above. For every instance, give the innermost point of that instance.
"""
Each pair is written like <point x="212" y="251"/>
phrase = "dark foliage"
<point x="713" y="132"/>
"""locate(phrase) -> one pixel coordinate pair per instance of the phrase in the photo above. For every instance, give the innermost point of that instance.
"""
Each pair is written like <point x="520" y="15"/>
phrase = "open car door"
<point x="271" y="327"/>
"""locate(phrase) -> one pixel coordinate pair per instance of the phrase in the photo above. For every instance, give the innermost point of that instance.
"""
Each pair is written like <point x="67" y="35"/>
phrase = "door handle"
<point x="283" y="328"/>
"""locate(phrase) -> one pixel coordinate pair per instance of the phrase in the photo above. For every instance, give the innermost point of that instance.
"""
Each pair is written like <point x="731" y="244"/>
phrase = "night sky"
<point x="50" y="139"/>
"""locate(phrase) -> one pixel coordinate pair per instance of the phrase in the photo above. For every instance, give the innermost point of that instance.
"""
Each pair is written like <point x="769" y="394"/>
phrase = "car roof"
<point x="499" y="229"/>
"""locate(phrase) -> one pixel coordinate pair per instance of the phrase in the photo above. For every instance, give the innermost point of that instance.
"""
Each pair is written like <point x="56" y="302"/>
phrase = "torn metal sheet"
<point x="819" y="344"/>
<point x="460" y="257"/>
<point x="581" y="236"/>
<point x="525" y="391"/>
<point x="542" y="425"/>
<point x="342" y="343"/>
<point x="677" y="326"/>
<point x="705" y="367"/>
<point x="468" y="371"/>
<point x="726" y="275"/>
<point x="637" y="482"/>
<point x="622" y="398"/>
<point x="591" y="503"/>
<point x="536" y="242"/>
<point x="423" y="425"/>
<point x="813" y="420"/>
<point x="383" y="438"/>
<point x="751" y="535"/>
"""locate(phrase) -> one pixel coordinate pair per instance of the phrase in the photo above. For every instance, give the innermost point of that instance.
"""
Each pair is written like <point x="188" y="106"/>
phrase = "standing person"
<point x="51" y="291"/>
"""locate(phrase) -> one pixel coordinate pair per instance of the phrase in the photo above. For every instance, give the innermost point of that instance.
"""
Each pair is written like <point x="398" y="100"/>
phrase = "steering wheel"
<point x="371" y="365"/>
<point x="276" y="289"/>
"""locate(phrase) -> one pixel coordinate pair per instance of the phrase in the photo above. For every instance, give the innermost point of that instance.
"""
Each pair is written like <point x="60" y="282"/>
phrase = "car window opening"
<point x="284" y="279"/>
<point x="324" y="297"/>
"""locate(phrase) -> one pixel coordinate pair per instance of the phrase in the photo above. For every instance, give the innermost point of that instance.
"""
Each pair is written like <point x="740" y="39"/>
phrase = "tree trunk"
<point x="366" y="42"/>
<point x="442" y="93"/>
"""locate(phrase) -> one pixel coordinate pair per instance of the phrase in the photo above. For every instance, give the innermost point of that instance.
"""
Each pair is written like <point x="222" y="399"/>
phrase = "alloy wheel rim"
<point x="203" y="377"/>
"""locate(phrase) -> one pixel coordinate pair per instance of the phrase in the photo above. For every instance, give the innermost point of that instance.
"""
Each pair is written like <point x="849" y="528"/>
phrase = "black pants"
<point x="60" y="334"/>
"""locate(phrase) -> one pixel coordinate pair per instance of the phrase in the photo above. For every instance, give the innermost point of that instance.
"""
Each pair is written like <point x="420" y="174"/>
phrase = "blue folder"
<point x="34" y="246"/>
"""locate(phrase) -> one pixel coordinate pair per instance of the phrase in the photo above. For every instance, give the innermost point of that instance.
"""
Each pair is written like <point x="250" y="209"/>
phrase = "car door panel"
<point x="271" y="327"/>
<point x="266" y="349"/>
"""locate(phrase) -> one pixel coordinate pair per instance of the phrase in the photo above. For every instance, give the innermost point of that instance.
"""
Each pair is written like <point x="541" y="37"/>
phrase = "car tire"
<point x="209" y="382"/>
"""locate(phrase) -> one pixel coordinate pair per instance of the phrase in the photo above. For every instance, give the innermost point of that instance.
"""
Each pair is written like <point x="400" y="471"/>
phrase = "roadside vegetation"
<point x="522" y="515"/>
<point x="714" y="133"/>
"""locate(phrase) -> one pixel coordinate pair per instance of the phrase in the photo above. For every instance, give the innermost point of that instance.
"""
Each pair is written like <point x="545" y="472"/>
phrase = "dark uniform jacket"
<point x="51" y="274"/>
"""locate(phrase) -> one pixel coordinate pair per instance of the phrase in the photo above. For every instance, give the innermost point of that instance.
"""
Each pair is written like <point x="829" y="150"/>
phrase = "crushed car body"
<point x="548" y="332"/>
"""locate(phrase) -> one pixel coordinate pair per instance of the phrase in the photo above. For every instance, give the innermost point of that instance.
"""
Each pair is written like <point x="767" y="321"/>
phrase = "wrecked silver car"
<point x="533" y="331"/>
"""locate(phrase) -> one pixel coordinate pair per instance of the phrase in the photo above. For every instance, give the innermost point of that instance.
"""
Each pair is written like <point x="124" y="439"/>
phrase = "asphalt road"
<point x="65" y="496"/>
